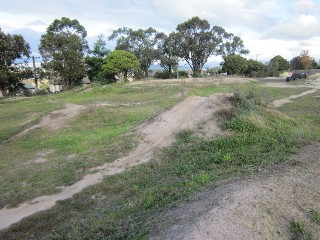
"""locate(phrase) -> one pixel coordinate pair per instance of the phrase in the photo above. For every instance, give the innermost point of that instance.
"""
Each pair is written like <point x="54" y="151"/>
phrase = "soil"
<point x="258" y="207"/>
<point x="156" y="133"/>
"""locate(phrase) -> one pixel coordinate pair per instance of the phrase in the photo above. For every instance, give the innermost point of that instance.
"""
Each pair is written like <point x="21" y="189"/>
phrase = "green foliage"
<point x="234" y="64"/>
<point x="121" y="62"/>
<point x="196" y="41"/>
<point x="250" y="97"/>
<point x="95" y="61"/>
<point x="12" y="47"/>
<point x="167" y="53"/>
<point x="277" y="65"/>
<point x="315" y="216"/>
<point x="139" y="42"/>
<point x="62" y="48"/>
<point x="297" y="227"/>
<point x="303" y="61"/>
<point x="254" y="68"/>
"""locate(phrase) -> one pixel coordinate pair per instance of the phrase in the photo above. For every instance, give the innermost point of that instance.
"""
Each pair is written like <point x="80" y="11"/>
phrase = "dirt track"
<point x="160" y="132"/>
<point x="213" y="214"/>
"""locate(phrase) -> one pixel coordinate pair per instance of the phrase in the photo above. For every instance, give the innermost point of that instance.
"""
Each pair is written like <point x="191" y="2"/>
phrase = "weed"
<point x="315" y="216"/>
<point x="297" y="227"/>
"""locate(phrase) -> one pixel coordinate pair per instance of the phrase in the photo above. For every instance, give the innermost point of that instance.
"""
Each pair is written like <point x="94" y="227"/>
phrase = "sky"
<point x="267" y="27"/>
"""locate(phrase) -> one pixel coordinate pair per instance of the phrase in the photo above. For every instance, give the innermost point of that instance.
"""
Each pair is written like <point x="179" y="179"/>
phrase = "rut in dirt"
<point x="160" y="132"/>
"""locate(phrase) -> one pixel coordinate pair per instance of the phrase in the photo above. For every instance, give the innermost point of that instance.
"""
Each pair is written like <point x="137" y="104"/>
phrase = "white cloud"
<point x="304" y="6"/>
<point x="301" y="27"/>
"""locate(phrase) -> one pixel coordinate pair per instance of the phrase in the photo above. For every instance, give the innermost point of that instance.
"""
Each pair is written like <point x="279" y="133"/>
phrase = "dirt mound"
<point x="156" y="133"/>
<point x="260" y="207"/>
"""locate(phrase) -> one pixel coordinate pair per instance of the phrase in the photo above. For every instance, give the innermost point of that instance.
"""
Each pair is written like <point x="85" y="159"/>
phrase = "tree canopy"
<point x="121" y="63"/>
<point x="167" y="53"/>
<point x="303" y="61"/>
<point x="62" y="48"/>
<point x="12" y="48"/>
<point x="234" y="64"/>
<point x="197" y="41"/>
<point x="95" y="60"/>
<point x="139" y="42"/>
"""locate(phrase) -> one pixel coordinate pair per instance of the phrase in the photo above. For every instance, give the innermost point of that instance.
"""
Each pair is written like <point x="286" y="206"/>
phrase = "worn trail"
<point x="158" y="133"/>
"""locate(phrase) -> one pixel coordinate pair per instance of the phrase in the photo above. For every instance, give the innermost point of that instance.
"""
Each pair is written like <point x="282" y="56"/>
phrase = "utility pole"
<point x="35" y="73"/>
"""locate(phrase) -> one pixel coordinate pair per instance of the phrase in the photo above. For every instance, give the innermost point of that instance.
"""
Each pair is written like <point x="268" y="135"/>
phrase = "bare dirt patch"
<point x="156" y="133"/>
<point x="259" y="207"/>
<point x="55" y="119"/>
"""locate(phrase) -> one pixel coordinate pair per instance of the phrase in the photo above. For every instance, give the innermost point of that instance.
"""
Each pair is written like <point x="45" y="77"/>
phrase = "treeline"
<point x="238" y="65"/>
<point x="66" y="56"/>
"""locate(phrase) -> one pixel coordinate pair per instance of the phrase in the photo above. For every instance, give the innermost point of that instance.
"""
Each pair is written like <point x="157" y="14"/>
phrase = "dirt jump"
<point x="157" y="133"/>
<point x="259" y="207"/>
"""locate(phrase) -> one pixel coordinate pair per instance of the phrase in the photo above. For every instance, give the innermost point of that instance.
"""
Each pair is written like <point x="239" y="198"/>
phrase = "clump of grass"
<point x="297" y="227"/>
<point x="251" y="97"/>
<point x="315" y="216"/>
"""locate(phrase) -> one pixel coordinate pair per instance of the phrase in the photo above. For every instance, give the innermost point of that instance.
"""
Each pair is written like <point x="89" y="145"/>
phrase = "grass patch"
<point x="315" y="216"/>
<point x="126" y="206"/>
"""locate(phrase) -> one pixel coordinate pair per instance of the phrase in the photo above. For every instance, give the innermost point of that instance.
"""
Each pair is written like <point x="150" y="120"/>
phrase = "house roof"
<point x="85" y="80"/>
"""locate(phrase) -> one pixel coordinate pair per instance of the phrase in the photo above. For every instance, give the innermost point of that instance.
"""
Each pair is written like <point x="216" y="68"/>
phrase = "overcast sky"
<point x="268" y="27"/>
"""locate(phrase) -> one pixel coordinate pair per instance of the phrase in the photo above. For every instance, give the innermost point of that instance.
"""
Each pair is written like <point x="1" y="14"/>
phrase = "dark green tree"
<point x="234" y="64"/>
<point x="167" y="53"/>
<point x="121" y="63"/>
<point x="95" y="59"/>
<point x="278" y="65"/>
<point x="12" y="48"/>
<point x="254" y="68"/>
<point x="62" y="48"/>
<point x="139" y="42"/>
<point x="197" y="41"/>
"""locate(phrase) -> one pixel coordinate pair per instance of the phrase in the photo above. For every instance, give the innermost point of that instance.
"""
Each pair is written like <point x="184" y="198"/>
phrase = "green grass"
<point x="126" y="206"/>
<point x="315" y="216"/>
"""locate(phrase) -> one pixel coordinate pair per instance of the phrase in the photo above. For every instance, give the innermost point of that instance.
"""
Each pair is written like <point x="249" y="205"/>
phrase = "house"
<point x="55" y="85"/>
<point x="85" y="81"/>
<point x="1" y="95"/>
<point x="30" y="87"/>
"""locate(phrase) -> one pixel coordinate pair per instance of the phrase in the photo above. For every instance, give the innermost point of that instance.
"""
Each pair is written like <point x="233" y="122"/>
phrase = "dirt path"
<point x="55" y="119"/>
<point x="260" y="207"/>
<point x="315" y="85"/>
<point x="160" y="132"/>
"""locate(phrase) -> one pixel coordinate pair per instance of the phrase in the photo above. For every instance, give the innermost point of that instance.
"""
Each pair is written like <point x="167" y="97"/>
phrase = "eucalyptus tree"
<point x="12" y="48"/>
<point x="167" y="56"/>
<point x="197" y="41"/>
<point x="62" y="48"/>
<point x="141" y="42"/>
<point x="95" y="59"/>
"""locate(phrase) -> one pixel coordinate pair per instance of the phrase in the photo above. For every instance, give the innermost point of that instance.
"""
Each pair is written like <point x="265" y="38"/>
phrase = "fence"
<point x="308" y="72"/>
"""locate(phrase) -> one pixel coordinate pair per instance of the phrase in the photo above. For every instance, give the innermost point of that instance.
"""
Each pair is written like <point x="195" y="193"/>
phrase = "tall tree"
<point x="167" y="53"/>
<point x="139" y="42"/>
<point x="303" y="61"/>
<point x="95" y="59"/>
<point x="234" y="64"/>
<point x="62" y="48"/>
<point x="121" y="63"/>
<point x="254" y="68"/>
<point x="12" y="48"/>
<point x="197" y="41"/>
<point x="280" y="63"/>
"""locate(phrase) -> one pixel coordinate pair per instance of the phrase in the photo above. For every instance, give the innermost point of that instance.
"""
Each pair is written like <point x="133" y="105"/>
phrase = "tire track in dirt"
<point x="158" y="133"/>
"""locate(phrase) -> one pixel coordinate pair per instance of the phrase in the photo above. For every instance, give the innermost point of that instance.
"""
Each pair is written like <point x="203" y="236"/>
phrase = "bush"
<point x="248" y="98"/>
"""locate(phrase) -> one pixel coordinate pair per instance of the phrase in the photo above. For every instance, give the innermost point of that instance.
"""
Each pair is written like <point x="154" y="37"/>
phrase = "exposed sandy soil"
<point x="55" y="119"/>
<point x="258" y="207"/>
<point x="159" y="132"/>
